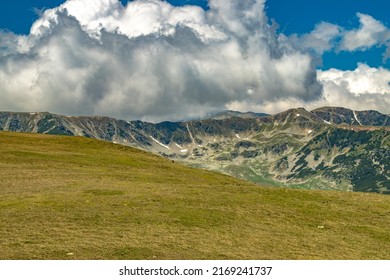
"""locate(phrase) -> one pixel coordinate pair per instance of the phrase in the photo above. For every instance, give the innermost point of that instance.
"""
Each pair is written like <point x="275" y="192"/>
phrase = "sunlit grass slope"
<point x="77" y="198"/>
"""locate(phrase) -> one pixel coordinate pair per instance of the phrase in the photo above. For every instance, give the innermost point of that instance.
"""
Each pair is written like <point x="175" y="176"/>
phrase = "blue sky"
<point x="299" y="16"/>
<point x="152" y="60"/>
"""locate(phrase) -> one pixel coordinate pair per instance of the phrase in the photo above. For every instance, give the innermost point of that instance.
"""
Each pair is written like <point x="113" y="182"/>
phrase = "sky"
<point x="155" y="60"/>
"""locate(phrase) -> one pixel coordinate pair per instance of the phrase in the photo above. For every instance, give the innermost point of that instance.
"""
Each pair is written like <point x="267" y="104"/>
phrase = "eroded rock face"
<point x="338" y="115"/>
<point x="328" y="148"/>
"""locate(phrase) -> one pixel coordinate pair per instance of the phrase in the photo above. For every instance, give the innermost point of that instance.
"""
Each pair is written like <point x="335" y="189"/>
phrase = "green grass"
<point x="245" y="171"/>
<point x="77" y="198"/>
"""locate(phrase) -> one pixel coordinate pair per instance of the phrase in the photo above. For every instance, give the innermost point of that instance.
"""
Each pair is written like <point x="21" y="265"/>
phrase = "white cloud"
<point x="370" y="33"/>
<point x="327" y="37"/>
<point x="362" y="80"/>
<point x="151" y="60"/>
<point x="363" y="88"/>
<point x="323" y="38"/>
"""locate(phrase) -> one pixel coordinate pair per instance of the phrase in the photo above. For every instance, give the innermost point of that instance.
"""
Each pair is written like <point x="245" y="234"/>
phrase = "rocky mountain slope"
<point x="327" y="148"/>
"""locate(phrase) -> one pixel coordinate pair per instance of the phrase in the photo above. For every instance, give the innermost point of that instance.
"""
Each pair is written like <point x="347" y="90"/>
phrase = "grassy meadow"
<point x="78" y="198"/>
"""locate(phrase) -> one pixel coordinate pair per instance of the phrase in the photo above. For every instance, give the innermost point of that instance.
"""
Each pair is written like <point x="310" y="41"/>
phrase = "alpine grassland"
<point x="65" y="197"/>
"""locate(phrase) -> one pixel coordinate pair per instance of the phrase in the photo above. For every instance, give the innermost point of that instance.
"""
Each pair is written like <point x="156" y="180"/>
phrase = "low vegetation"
<point x="77" y="198"/>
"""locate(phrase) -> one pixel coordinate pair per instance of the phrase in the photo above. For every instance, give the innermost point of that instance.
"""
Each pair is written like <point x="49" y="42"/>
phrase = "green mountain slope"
<point x="77" y="198"/>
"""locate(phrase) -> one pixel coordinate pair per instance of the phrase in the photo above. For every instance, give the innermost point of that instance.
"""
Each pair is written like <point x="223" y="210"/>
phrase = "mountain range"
<point x="326" y="148"/>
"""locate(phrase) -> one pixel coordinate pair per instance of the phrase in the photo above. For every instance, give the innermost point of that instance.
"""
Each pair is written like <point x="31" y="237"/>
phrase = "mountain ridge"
<point x="326" y="148"/>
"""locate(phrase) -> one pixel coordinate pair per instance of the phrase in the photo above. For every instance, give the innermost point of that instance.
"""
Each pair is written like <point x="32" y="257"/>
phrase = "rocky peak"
<point x="340" y="115"/>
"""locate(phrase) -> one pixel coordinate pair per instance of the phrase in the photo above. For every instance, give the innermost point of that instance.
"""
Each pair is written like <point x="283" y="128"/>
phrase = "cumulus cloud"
<point x="370" y="33"/>
<point x="323" y="38"/>
<point x="150" y="60"/>
<point x="331" y="37"/>
<point x="362" y="80"/>
<point x="363" y="88"/>
<point x="153" y="61"/>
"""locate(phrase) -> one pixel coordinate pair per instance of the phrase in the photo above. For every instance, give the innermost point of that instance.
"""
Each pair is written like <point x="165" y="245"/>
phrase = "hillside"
<point x="327" y="148"/>
<point x="78" y="198"/>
